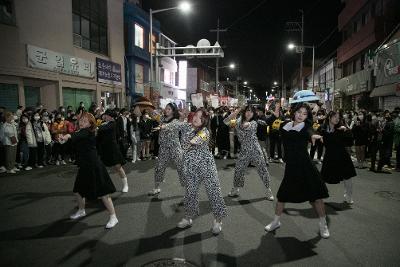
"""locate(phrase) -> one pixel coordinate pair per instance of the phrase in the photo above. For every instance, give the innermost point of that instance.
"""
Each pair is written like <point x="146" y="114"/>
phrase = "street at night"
<point x="36" y="229"/>
<point x="199" y="133"/>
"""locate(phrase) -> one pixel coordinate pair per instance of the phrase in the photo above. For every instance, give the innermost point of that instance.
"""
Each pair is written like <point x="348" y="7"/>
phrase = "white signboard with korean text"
<point x="45" y="59"/>
<point x="197" y="100"/>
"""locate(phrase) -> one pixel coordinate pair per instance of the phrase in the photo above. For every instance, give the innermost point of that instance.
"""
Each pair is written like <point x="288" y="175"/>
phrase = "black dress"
<point x="337" y="165"/>
<point x="107" y="145"/>
<point x="92" y="180"/>
<point x="302" y="180"/>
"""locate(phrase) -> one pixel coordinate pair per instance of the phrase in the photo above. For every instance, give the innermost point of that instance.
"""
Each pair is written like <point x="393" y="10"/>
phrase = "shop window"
<point x="89" y="21"/>
<point x="139" y="36"/>
<point x="7" y="12"/>
<point x="72" y="97"/>
<point x="9" y="96"/>
<point x="139" y="79"/>
<point x="32" y="96"/>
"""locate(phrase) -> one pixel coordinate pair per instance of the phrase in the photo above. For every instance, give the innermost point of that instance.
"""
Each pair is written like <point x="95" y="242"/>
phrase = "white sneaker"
<point x="323" y="230"/>
<point x="348" y="199"/>
<point x="234" y="192"/>
<point x="272" y="226"/>
<point x="2" y="169"/>
<point x="58" y="163"/>
<point x="112" y="222"/>
<point x="280" y="160"/>
<point x="217" y="227"/>
<point x="11" y="172"/>
<point x="16" y="169"/>
<point x="78" y="214"/>
<point x="63" y="162"/>
<point x="28" y="168"/>
<point x="269" y="194"/>
<point x="185" y="223"/>
<point x="40" y="166"/>
<point x="133" y="161"/>
<point x="125" y="189"/>
<point x="154" y="192"/>
<point x="225" y="157"/>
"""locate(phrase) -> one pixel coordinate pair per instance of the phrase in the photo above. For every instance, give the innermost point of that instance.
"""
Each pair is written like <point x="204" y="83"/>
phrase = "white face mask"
<point x="361" y="117"/>
<point x="345" y="116"/>
<point x="25" y="120"/>
<point x="36" y="118"/>
<point x="15" y="117"/>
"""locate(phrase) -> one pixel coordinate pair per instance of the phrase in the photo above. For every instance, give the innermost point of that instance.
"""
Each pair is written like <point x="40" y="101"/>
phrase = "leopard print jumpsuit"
<point x="170" y="150"/>
<point x="250" y="152"/>
<point x="199" y="166"/>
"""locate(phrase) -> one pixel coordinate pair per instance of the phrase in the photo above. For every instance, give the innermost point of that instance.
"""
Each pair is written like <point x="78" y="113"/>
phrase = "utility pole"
<point x="302" y="49"/>
<point x="218" y="30"/>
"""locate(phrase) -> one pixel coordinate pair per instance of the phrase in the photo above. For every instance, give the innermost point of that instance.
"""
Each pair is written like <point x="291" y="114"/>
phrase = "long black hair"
<point x="175" y="111"/>
<point x="243" y="113"/>
<point x="328" y="118"/>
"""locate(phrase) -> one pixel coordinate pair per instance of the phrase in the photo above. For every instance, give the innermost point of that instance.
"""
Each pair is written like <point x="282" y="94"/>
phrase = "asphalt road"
<point x="35" y="229"/>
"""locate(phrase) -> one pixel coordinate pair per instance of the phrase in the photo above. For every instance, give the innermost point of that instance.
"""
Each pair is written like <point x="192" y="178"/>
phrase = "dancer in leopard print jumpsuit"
<point x="250" y="151"/>
<point x="199" y="167"/>
<point x="170" y="147"/>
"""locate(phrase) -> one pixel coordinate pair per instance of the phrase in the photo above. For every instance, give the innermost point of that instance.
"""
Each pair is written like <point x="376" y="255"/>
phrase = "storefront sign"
<point x="108" y="72"/>
<point x="388" y="65"/>
<point x="44" y="59"/>
<point x="197" y="100"/>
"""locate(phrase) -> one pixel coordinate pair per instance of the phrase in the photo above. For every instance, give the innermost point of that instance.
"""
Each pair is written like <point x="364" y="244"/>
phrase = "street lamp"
<point x="184" y="7"/>
<point x="300" y="49"/>
<point x="275" y="83"/>
<point x="245" y="82"/>
<point x="232" y="66"/>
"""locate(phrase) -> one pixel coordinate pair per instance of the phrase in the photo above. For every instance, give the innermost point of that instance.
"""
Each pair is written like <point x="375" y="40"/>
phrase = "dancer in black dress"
<point x="92" y="180"/>
<point x="108" y="148"/>
<point x="337" y="165"/>
<point x="302" y="181"/>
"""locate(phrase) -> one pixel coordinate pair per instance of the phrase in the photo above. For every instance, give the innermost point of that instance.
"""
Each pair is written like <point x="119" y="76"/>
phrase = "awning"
<point x="385" y="90"/>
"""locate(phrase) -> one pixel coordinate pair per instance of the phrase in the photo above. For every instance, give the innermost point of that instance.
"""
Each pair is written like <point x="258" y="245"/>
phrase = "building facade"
<point x="364" y="24"/>
<point x="168" y="81"/>
<point x="61" y="53"/>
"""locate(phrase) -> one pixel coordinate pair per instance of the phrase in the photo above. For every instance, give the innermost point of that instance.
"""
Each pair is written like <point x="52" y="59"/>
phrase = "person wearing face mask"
<point x="39" y="130"/>
<point x="10" y="141"/>
<point x="59" y="128"/>
<point x="23" y="141"/>
<point x="318" y="145"/>
<point x="45" y="123"/>
<point x="360" y="134"/>
<point x="386" y="143"/>
<point x="145" y="126"/>
<point x="123" y="132"/>
<point x="32" y="143"/>
<point x="71" y="128"/>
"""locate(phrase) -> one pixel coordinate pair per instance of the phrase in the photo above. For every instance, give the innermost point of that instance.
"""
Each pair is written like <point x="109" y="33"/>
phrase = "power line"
<point x="248" y="13"/>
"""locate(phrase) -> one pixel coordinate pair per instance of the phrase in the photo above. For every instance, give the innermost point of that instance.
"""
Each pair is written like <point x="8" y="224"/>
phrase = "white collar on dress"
<point x="289" y="126"/>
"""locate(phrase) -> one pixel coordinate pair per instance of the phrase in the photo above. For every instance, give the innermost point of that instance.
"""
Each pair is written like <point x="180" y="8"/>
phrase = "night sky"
<point x="256" y="38"/>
